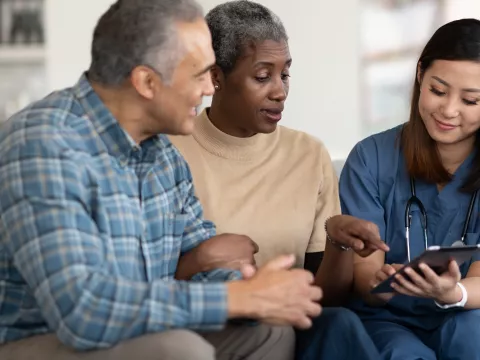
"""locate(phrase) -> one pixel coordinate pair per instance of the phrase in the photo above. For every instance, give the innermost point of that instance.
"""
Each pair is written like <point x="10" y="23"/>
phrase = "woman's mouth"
<point x="444" y="126"/>
<point x="272" y="115"/>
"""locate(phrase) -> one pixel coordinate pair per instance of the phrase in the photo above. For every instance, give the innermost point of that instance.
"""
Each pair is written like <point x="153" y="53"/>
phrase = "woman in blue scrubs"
<point x="435" y="153"/>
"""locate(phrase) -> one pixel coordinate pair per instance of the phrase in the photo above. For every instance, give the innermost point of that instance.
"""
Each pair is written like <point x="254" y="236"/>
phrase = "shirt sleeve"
<point x="328" y="203"/>
<point x="55" y="244"/>
<point x="359" y="193"/>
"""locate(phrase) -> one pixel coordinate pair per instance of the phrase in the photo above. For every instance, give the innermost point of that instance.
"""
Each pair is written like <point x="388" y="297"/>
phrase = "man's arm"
<point x="48" y="232"/>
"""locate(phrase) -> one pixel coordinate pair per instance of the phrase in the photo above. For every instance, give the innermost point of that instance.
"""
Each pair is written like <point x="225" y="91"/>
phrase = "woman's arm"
<point x="359" y="197"/>
<point x="335" y="273"/>
<point x="472" y="284"/>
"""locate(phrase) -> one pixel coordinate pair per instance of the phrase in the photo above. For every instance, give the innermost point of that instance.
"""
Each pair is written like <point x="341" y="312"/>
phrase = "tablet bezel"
<point x="436" y="257"/>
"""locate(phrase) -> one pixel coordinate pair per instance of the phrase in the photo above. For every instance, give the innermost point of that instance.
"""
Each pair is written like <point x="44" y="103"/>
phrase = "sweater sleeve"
<point x="328" y="202"/>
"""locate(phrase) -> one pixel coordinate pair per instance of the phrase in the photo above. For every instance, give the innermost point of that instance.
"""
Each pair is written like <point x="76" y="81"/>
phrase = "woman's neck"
<point x="221" y="121"/>
<point x="453" y="155"/>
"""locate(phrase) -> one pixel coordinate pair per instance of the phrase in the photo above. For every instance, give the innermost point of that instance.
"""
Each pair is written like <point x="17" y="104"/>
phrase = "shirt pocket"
<point x="162" y="243"/>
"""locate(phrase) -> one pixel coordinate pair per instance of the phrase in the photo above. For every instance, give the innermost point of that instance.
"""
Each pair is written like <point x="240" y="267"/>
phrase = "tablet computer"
<point x="436" y="257"/>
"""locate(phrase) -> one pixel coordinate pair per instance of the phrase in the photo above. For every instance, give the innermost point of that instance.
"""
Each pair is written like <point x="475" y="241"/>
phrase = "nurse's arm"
<point x="364" y="270"/>
<point x="472" y="285"/>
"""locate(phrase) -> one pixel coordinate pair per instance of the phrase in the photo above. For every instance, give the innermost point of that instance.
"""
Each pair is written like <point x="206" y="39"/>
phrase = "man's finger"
<point x="255" y="247"/>
<point x="282" y="262"/>
<point x="247" y="271"/>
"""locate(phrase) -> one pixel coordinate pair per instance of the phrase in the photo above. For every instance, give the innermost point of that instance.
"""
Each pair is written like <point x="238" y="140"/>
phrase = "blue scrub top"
<point x="375" y="186"/>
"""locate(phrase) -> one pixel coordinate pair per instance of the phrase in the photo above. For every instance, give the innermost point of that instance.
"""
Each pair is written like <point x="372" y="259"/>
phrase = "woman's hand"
<point x="381" y="275"/>
<point x="360" y="235"/>
<point x="427" y="284"/>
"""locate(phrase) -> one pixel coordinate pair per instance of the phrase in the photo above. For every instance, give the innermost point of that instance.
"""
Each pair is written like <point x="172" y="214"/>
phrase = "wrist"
<point x="199" y="257"/>
<point x="239" y="300"/>
<point x="453" y="296"/>
<point x="338" y="249"/>
<point x="333" y="241"/>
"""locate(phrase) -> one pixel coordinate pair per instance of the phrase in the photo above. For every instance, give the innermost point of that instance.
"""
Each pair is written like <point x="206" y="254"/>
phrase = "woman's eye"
<point x="470" y="102"/>
<point x="437" y="92"/>
<point x="261" y="78"/>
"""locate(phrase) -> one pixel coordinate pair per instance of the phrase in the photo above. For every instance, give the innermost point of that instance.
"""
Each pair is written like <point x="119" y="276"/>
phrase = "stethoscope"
<point x="408" y="218"/>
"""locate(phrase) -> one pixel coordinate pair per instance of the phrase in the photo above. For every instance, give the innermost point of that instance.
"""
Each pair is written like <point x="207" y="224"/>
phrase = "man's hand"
<point x="362" y="236"/>
<point x="276" y="294"/>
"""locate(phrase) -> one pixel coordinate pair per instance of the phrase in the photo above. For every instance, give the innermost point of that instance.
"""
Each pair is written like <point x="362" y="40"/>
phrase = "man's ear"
<point x="218" y="78"/>
<point x="145" y="81"/>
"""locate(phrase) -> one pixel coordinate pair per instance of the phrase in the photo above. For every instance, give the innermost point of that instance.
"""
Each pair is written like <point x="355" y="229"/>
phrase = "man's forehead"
<point x="196" y="43"/>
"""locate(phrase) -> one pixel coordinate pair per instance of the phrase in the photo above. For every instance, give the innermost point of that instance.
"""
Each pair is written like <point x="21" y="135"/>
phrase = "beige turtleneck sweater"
<point x="277" y="188"/>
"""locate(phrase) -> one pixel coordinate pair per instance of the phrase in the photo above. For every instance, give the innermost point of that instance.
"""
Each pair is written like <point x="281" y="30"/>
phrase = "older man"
<point x="104" y="253"/>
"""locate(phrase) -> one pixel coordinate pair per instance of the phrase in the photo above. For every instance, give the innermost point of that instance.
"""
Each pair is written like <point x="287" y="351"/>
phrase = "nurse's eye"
<point x="285" y="76"/>
<point x="470" y="102"/>
<point x="437" y="92"/>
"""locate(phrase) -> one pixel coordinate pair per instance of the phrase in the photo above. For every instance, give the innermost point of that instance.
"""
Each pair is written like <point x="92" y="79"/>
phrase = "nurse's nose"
<point x="450" y="108"/>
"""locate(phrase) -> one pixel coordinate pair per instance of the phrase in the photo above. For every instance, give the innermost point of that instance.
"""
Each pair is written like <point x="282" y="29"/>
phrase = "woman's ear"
<point x="419" y="73"/>
<point x="218" y="78"/>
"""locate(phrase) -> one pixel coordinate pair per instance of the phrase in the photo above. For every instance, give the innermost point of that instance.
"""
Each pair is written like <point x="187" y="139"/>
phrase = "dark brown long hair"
<point x="458" y="40"/>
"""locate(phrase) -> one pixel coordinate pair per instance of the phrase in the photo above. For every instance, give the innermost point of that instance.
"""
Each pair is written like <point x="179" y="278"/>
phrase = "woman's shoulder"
<point x="304" y="152"/>
<point x="382" y="145"/>
<point x="301" y="141"/>
<point x="378" y="155"/>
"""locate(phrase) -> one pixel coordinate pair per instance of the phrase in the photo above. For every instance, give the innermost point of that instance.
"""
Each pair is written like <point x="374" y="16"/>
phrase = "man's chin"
<point x="186" y="128"/>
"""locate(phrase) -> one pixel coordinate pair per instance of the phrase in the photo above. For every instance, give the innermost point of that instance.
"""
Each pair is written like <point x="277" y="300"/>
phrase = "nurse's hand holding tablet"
<point x="425" y="283"/>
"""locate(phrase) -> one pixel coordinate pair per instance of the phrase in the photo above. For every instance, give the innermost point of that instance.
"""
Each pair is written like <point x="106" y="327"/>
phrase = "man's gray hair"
<point x="235" y="25"/>
<point x="139" y="32"/>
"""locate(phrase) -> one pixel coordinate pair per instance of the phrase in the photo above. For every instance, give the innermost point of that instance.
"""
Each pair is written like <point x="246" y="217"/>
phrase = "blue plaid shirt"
<point x="92" y="226"/>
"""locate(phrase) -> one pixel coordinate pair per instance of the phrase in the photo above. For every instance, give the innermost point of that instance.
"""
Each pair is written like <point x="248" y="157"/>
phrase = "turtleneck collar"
<point x="230" y="147"/>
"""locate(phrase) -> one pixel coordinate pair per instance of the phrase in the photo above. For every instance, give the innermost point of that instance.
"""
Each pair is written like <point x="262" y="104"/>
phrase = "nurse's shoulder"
<point x="378" y="153"/>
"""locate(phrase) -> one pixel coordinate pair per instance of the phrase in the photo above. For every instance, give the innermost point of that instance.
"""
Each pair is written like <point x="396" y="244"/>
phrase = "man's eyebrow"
<point x="204" y="70"/>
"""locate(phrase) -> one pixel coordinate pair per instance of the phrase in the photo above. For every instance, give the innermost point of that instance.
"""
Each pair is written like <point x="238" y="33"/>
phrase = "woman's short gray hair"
<point x="237" y="24"/>
<point x="139" y="32"/>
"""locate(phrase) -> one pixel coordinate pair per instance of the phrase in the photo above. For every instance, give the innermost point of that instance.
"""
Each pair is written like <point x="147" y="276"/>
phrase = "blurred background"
<point x="353" y="60"/>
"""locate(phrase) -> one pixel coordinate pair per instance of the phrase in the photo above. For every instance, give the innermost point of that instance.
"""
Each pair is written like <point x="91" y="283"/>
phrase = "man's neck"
<point x="119" y="100"/>
<point x="452" y="156"/>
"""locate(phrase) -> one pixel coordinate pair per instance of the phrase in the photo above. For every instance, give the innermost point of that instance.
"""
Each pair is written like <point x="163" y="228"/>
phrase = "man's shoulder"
<point x="47" y="124"/>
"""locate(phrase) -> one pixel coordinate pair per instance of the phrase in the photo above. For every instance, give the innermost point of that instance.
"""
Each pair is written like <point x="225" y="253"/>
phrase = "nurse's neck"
<point x="453" y="155"/>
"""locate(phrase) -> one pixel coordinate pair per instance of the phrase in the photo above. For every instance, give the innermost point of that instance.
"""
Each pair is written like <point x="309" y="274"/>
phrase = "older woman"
<point x="274" y="184"/>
